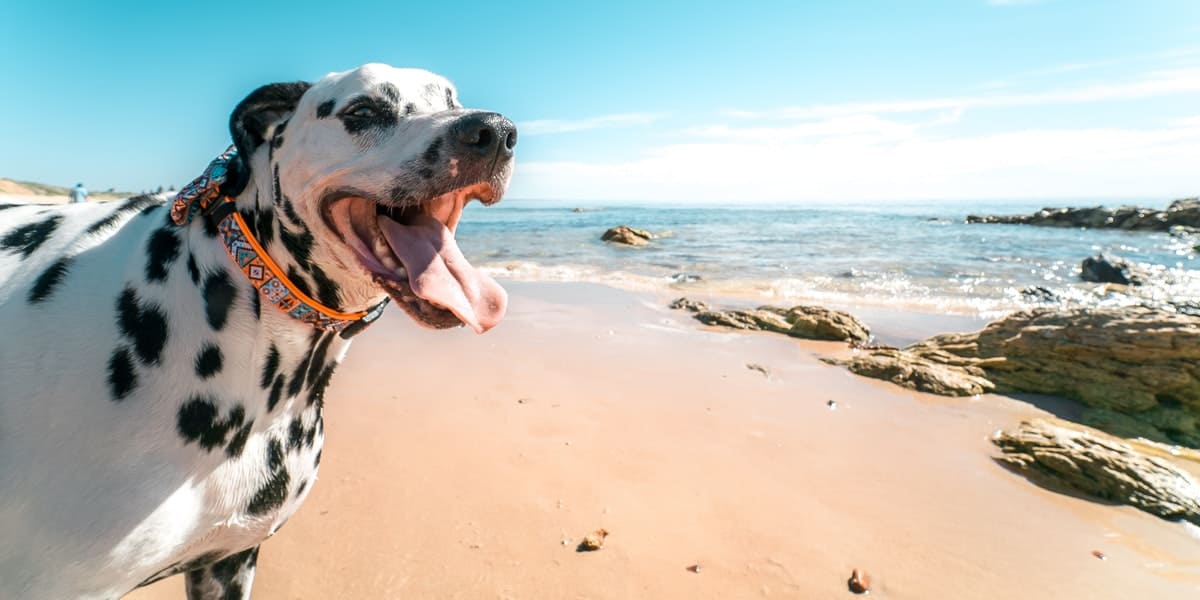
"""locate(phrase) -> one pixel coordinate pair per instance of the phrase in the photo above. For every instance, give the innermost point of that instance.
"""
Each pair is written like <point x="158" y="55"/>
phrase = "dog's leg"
<point x="227" y="579"/>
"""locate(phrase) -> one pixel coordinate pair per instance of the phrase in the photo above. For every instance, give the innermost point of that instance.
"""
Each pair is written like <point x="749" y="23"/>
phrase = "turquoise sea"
<point x="912" y="256"/>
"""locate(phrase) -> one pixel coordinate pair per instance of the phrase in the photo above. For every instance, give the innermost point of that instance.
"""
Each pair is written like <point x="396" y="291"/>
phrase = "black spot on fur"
<point x="208" y="361"/>
<point x="449" y="98"/>
<point x="121" y="376"/>
<point x="193" y="270"/>
<point x="136" y="203"/>
<point x="425" y="172"/>
<point x="391" y="92"/>
<point x="144" y="324"/>
<point x="265" y="229"/>
<point x="317" y="459"/>
<point x="327" y="290"/>
<point x="311" y="436"/>
<point x="300" y="488"/>
<point x="434" y="151"/>
<point x="272" y="494"/>
<point x="318" y="358"/>
<point x="295" y="434"/>
<point x="161" y="250"/>
<point x="8" y="206"/>
<point x="298" y="244"/>
<point x="299" y="281"/>
<point x="44" y="285"/>
<point x="410" y="108"/>
<point x="28" y="238"/>
<point x="325" y="108"/>
<point x="256" y="304"/>
<point x="197" y="422"/>
<point x="149" y="210"/>
<point x="270" y="367"/>
<point x="297" y="380"/>
<point x="238" y="442"/>
<point x="219" y="295"/>
<point x="383" y="115"/>
<point x="277" y="192"/>
<point x="227" y="577"/>
<point x="210" y="228"/>
<point x="316" y="391"/>
<point x="276" y="393"/>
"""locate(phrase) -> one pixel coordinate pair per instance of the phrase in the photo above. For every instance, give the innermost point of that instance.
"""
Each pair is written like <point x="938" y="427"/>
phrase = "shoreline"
<point x="594" y="407"/>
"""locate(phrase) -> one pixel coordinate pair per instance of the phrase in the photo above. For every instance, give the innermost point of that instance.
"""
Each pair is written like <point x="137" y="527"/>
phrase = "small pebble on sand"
<point x="593" y="541"/>
<point x="859" y="582"/>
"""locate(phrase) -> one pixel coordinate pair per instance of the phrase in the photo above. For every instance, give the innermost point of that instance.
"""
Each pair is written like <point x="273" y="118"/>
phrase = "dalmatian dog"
<point x="158" y="415"/>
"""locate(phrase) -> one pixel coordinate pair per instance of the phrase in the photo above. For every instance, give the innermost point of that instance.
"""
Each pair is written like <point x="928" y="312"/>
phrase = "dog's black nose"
<point x="485" y="133"/>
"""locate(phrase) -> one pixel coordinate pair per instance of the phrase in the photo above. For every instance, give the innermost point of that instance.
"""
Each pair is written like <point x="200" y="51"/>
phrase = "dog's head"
<point x="374" y="166"/>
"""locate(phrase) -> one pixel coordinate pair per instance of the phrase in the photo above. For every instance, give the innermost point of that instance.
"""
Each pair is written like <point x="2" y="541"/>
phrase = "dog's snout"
<point x="485" y="133"/>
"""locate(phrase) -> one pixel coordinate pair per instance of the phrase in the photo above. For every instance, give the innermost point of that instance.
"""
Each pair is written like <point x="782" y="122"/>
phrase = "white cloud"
<point x="891" y="150"/>
<point x="549" y="126"/>
<point x="885" y="162"/>
<point x="1157" y="83"/>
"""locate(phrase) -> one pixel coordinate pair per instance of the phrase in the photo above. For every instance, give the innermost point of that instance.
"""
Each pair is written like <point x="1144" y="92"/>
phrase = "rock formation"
<point x="1111" y="269"/>
<point x="1066" y="457"/>
<point x="1137" y="368"/>
<point x="1181" y="214"/>
<point x="624" y="234"/>
<point x="807" y="322"/>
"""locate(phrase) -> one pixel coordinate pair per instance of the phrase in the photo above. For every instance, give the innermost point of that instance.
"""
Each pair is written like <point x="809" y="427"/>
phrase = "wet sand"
<point x="459" y="466"/>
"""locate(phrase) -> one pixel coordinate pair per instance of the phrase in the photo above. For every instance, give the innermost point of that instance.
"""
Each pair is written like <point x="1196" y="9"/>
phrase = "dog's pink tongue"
<point x="439" y="273"/>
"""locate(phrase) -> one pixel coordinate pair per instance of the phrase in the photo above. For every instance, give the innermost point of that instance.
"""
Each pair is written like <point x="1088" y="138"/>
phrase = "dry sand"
<point x="459" y="466"/>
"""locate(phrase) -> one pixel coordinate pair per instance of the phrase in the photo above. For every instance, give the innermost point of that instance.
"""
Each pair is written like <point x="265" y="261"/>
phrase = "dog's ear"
<point x="248" y="124"/>
<point x="264" y="106"/>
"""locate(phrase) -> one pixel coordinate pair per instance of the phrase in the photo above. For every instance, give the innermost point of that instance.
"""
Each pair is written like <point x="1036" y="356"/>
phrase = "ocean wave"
<point x="964" y="294"/>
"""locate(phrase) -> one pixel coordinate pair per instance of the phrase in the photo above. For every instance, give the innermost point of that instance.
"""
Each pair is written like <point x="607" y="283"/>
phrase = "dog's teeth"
<point x="388" y="262"/>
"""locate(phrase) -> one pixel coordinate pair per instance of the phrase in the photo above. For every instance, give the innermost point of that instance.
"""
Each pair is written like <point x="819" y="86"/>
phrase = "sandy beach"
<point x="459" y="466"/>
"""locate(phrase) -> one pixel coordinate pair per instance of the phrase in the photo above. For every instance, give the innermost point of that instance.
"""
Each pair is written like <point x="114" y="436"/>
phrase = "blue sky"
<point x="702" y="101"/>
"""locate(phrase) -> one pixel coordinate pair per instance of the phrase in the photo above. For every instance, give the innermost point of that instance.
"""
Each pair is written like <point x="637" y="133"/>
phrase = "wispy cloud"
<point x="758" y="165"/>
<point x="549" y="126"/>
<point x="1158" y="83"/>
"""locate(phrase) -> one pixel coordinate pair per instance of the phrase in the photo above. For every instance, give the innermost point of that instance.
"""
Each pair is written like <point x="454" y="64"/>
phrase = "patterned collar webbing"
<point x="200" y="196"/>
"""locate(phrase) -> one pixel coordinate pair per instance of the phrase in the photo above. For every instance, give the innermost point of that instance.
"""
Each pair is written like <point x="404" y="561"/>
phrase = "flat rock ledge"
<point x="914" y="372"/>
<point x="1061" y="456"/>
<point x="806" y="322"/>
<point x="1136" y="368"/>
<point x="1182" y="215"/>
<point x="628" y="236"/>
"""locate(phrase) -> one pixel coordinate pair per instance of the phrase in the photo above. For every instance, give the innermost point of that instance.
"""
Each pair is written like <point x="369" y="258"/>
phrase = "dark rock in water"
<point x="1111" y="269"/>
<point x="1037" y="293"/>
<point x="689" y="305"/>
<point x="1184" y="213"/>
<point x="1184" y="204"/>
<point x="685" y="277"/>
<point x="1061" y="456"/>
<point x="1187" y="308"/>
<point x="624" y="234"/>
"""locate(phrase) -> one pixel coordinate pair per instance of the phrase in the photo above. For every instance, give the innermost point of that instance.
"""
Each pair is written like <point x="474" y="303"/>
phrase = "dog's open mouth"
<point x="411" y="253"/>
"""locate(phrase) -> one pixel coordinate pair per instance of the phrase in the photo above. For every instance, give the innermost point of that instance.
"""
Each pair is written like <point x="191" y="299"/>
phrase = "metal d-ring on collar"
<point x="203" y="195"/>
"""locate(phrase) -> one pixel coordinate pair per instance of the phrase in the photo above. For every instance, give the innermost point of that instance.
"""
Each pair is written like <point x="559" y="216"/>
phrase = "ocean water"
<point x="910" y="256"/>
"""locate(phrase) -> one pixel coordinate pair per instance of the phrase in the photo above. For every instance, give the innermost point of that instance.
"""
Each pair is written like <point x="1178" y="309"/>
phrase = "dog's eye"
<point x="363" y="112"/>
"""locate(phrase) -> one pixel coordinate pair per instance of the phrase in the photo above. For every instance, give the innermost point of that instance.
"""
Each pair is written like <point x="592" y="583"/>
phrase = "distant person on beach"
<point x="79" y="193"/>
